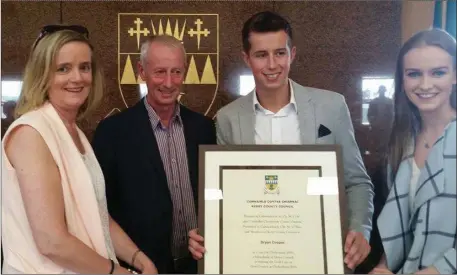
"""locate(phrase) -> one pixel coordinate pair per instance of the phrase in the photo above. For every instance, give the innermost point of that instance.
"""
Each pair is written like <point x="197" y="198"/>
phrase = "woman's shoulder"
<point x="450" y="134"/>
<point x="30" y="125"/>
<point x="452" y="126"/>
<point x="31" y="117"/>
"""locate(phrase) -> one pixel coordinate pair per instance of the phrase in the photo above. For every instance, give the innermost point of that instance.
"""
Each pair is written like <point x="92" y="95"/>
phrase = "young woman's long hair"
<point x="407" y="121"/>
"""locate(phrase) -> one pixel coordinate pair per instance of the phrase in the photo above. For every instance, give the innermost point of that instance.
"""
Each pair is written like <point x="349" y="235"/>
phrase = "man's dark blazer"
<point x="136" y="184"/>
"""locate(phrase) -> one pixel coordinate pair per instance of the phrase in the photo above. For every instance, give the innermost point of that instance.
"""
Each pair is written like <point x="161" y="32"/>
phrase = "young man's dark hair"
<point x="262" y="22"/>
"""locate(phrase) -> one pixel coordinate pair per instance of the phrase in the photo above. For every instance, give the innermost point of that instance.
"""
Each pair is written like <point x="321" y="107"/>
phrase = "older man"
<point x="149" y="156"/>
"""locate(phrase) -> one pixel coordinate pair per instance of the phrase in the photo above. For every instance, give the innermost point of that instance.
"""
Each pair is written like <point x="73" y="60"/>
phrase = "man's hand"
<point x="380" y="270"/>
<point x="196" y="244"/>
<point x="150" y="269"/>
<point x="143" y="263"/>
<point x="356" y="248"/>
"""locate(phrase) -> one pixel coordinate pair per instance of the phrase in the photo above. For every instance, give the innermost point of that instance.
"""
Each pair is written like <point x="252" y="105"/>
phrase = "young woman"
<point x="418" y="222"/>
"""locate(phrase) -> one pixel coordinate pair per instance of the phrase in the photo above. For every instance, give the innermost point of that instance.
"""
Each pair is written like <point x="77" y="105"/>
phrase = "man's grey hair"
<point x="164" y="39"/>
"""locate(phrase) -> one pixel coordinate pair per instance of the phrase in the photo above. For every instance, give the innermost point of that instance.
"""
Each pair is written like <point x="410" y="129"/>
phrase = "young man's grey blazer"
<point x="323" y="119"/>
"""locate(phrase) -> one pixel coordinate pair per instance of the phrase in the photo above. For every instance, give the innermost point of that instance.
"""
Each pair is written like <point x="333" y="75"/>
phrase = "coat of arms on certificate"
<point x="271" y="184"/>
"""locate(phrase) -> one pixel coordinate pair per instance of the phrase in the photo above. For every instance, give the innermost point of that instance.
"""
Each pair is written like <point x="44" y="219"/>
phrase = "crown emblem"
<point x="177" y="31"/>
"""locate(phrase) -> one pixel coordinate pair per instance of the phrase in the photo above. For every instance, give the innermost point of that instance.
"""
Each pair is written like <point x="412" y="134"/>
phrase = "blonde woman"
<point x="54" y="213"/>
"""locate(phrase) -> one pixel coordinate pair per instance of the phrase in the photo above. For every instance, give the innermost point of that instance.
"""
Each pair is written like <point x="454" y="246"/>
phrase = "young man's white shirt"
<point x="277" y="128"/>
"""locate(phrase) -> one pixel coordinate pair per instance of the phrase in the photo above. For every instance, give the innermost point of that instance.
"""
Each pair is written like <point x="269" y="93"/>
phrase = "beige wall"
<point x="416" y="16"/>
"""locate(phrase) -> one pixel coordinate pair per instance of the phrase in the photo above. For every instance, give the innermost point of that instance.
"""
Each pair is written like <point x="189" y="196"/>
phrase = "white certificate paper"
<point x="258" y="217"/>
<point x="265" y="211"/>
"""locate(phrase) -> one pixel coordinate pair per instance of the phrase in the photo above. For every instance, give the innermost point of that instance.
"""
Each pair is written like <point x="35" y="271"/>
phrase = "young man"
<point x="280" y="111"/>
<point x="149" y="157"/>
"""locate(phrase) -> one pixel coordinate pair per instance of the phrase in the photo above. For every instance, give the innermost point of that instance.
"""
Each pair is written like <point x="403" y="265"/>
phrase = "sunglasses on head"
<point x="55" y="28"/>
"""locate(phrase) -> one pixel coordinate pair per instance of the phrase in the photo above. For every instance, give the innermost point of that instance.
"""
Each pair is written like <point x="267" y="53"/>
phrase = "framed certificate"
<point x="266" y="209"/>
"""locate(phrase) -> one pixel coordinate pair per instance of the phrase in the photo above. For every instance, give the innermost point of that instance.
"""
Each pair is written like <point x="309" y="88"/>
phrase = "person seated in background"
<point x="54" y="212"/>
<point x="380" y="111"/>
<point x="417" y="224"/>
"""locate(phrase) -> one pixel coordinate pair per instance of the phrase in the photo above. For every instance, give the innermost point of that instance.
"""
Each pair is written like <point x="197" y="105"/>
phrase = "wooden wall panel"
<point x="20" y="27"/>
<point x="338" y="42"/>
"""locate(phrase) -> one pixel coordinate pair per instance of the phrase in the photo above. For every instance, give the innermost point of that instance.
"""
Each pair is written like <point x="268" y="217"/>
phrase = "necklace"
<point x="426" y="143"/>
